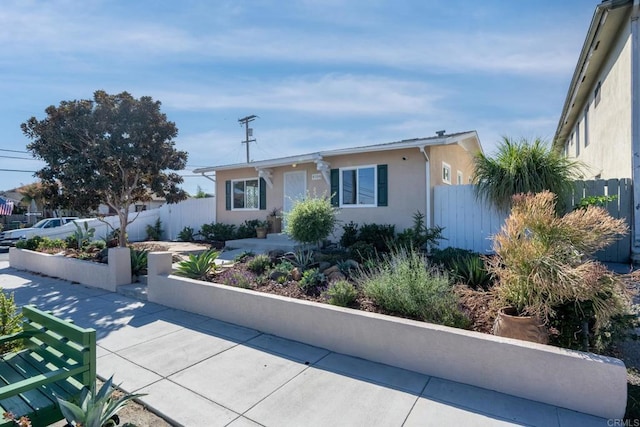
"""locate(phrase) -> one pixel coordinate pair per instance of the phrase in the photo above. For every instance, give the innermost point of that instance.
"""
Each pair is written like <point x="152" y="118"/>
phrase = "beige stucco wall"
<point x="406" y="184"/>
<point x="609" y="123"/>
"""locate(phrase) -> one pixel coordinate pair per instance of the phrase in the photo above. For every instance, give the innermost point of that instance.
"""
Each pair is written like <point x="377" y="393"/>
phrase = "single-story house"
<point x="382" y="183"/>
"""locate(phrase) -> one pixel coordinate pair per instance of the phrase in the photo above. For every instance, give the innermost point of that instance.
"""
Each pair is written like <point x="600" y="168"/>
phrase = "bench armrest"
<point x="17" y="336"/>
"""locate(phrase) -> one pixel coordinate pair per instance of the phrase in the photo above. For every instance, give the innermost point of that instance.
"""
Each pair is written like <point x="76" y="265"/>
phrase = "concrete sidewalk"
<point x="200" y="371"/>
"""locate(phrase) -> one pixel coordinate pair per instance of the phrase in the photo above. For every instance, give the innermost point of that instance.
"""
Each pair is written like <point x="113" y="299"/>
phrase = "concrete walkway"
<point x="200" y="371"/>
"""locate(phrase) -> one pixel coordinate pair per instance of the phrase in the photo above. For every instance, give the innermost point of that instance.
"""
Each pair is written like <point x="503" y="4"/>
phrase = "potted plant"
<point x="275" y="221"/>
<point x="261" y="229"/>
<point x="542" y="263"/>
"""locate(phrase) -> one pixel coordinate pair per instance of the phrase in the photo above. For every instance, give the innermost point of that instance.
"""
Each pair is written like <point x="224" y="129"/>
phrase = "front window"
<point x="246" y="194"/>
<point x="358" y="186"/>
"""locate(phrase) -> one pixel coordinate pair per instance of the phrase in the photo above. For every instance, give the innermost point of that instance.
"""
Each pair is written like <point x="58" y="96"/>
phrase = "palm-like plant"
<point x="522" y="167"/>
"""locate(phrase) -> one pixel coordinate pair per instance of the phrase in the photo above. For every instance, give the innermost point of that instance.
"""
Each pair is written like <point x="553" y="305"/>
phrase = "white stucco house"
<point x="600" y="121"/>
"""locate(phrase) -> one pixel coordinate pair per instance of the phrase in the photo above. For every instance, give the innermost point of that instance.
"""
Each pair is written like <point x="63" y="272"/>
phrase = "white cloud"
<point x="329" y="95"/>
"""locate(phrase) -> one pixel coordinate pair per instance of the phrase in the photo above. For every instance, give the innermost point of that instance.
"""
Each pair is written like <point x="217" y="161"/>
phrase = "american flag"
<point x="6" y="207"/>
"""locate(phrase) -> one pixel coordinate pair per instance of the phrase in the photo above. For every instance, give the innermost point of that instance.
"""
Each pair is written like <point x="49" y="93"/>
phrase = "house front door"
<point x="295" y="188"/>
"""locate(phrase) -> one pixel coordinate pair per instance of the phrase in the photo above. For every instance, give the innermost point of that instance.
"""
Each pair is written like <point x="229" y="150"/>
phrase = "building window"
<point x="246" y="194"/>
<point x="586" y="125"/>
<point x="140" y="208"/>
<point x="446" y="173"/>
<point x="596" y="94"/>
<point x="577" y="134"/>
<point x="358" y="186"/>
<point x="460" y="180"/>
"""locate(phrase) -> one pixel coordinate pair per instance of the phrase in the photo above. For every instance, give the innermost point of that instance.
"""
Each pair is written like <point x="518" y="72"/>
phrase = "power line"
<point x="14" y="151"/>
<point x="15" y="170"/>
<point x="20" y="158"/>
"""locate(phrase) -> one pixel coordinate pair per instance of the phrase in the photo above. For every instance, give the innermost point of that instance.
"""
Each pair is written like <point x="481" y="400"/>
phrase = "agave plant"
<point x="139" y="261"/>
<point x="198" y="266"/>
<point x="96" y="409"/>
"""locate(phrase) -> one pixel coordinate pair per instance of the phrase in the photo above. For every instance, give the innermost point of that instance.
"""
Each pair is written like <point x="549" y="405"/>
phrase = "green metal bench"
<point x="58" y="359"/>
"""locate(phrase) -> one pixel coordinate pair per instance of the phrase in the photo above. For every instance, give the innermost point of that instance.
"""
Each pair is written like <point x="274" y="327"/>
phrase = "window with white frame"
<point x="246" y="193"/>
<point x="460" y="179"/>
<point x="358" y="186"/>
<point x="586" y="125"/>
<point x="577" y="134"/>
<point x="446" y="173"/>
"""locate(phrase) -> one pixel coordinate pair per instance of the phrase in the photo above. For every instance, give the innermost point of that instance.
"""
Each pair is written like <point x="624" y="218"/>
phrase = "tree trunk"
<point x="124" y="218"/>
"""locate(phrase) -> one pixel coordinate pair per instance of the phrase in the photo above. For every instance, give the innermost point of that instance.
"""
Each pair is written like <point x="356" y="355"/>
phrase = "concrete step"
<point x="136" y="290"/>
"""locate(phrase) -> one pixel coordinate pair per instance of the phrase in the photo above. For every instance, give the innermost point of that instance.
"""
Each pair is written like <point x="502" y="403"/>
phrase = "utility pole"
<point x="248" y="131"/>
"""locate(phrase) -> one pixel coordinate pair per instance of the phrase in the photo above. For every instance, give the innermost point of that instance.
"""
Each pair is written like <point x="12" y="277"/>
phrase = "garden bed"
<point x="580" y="381"/>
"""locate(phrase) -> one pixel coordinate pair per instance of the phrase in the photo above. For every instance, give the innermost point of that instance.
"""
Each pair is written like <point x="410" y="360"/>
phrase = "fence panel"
<point x="469" y="223"/>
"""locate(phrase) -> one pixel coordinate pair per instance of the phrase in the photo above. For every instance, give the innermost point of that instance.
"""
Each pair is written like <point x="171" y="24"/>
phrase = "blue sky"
<point x="320" y="74"/>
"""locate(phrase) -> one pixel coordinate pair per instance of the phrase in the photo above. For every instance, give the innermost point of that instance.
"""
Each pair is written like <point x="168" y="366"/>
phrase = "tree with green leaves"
<point x="521" y="166"/>
<point x="114" y="149"/>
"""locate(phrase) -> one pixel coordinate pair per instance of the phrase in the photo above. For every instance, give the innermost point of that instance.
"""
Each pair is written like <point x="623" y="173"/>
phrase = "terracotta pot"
<point x="261" y="232"/>
<point x="527" y="328"/>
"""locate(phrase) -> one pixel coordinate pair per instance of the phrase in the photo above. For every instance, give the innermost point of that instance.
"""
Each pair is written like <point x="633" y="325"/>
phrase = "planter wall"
<point x="108" y="277"/>
<point x="579" y="381"/>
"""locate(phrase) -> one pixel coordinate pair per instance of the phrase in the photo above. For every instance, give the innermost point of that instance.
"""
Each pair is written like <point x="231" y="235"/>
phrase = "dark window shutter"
<point x="227" y="195"/>
<point x="263" y="194"/>
<point x="382" y="186"/>
<point x="335" y="187"/>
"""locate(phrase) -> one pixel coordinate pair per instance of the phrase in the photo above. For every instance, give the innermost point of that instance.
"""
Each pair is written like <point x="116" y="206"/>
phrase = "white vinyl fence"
<point x="470" y="223"/>
<point x="173" y="219"/>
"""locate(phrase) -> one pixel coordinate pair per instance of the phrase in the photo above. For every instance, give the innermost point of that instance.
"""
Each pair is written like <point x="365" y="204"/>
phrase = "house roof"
<point x="603" y="31"/>
<point x="468" y="140"/>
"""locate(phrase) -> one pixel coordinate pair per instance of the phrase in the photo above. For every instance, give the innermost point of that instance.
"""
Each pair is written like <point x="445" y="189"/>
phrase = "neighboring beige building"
<point x="600" y="122"/>
<point x="384" y="183"/>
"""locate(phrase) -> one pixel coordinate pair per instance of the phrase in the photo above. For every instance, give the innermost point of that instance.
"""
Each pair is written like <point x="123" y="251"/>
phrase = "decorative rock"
<point x="335" y="276"/>
<point x="276" y="275"/>
<point x="323" y="265"/>
<point x="296" y="275"/>
<point x="276" y="253"/>
<point x="330" y="270"/>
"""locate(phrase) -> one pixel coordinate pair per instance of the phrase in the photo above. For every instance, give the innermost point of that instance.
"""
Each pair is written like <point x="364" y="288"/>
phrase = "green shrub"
<point x="419" y="236"/>
<point x="311" y="279"/>
<point x="97" y="245"/>
<point x="198" y="266"/>
<point x="243" y="256"/>
<point x="247" y="229"/>
<point x="46" y="244"/>
<point x="239" y="280"/>
<point x="154" y="232"/>
<point x="447" y="257"/>
<point x="259" y="264"/>
<point x="187" y="234"/>
<point x="380" y="236"/>
<point x="284" y="266"/>
<point x="405" y="284"/>
<point x="472" y="271"/>
<point x="139" y="261"/>
<point x="82" y="236"/>
<point x="341" y="293"/>
<point x="217" y="231"/>
<point x="30" y="244"/>
<point x="10" y="321"/>
<point x="362" y="251"/>
<point x="311" y="220"/>
<point x="349" y="234"/>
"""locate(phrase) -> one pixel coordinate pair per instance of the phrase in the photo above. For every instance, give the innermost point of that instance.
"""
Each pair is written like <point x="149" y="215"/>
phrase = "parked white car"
<point x="41" y="228"/>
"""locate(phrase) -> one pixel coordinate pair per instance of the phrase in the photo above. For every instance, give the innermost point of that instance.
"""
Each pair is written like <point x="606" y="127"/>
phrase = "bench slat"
<point x="69" y="330"/>
<point x="46" y="341"/>
<point x="32" y="398"/>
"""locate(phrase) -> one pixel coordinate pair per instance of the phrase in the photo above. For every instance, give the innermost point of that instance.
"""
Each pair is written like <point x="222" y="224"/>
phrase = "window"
<point x="596" y="94"/>
<point x="586" y="125"/>
<point x="361" y="186"/>
<point x="358" y="186"/>
<point x="460" y="180"/>
<point x="246" y="194"/>
<point x="577" y="139"/>
<point x="446" y="173"/>
<point x="141" y="208"/>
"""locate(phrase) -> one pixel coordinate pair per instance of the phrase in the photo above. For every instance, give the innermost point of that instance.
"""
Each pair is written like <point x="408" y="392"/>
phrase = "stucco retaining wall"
<point x="575" y="380"/>
<point x="108" y="277"/>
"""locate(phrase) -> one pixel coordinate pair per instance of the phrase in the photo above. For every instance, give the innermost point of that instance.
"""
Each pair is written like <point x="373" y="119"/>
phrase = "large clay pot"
<point x="261" y="232"/>
<point x="508" y="324"/>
